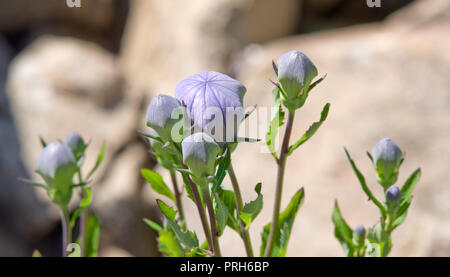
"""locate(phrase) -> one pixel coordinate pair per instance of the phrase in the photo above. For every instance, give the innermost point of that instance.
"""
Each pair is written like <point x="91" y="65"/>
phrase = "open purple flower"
<point x="214" y="101"/>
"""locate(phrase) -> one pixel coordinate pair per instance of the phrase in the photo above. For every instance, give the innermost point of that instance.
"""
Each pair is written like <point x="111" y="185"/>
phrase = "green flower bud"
<point x="162" y="115"/>
<point x="295" y="74"/>
<point x="387" y="158"/>
<point x="57" y="166"/>
<point x="199" y="155"/>
<point x="76" y="144"/>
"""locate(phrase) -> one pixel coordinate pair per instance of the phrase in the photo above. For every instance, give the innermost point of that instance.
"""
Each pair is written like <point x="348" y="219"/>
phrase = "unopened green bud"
<point x="57" y="166"/>
<point x="162" y="115"/>
<point x="387" y="158"/>
<point x="295" y="74"/>
<point x="199" y="154"/>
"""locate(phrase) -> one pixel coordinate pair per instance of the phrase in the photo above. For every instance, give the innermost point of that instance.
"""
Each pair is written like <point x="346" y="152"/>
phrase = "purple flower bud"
<point x="75" y="143"/>
<point x="295" y="73"/>
<point x="359" y="231"/>
<point x="162" y="114"/>
<point x="387" y="158"/>
<point x="57" y="165"/>
<point x="213" y="96"/>
<point x="199" y="154"/>
<point x="393" y="194"/>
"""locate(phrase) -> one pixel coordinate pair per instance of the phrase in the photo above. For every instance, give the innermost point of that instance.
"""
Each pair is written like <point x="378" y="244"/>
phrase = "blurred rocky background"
<point x="94" y="69"/>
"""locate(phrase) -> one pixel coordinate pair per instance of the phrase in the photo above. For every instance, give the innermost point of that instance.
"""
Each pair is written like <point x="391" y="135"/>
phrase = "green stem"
<point x="198" y="203"/>
<point x="66" y="230"/>
<point x="279" y="185"/>
<point x="212" y="221"/>
<point x="239" y="206"/>
<point x="177" y="196"/>
<point x="201" y="210"/>
<point x="83" y="217"/>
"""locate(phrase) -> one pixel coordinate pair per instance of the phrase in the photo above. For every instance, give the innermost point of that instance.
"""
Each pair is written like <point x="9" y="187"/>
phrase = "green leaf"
<point x="98" y="161"/>
<point x="379" y="241"/>
<point x="253" y="208"/>
<point x="87" y="200"/>
<point x="188" y="238"/>
<point x="157" y="183"/>
<point x="44" y="144"/>
<point x="222" y="170"/>
<point x="364" y="186"/>
<point x="311" y="130"/>
<point x="401" y="213"/>
<point x="155" y="226"/>
<point x="92" y="236"/>
<point x="313" y="85"/>
<point x="168" y="244"/>
<point x="166" y="210"/>
<point x="196" y="252"/>
<point x="228" y="199"/>
<point x="409" y="185"/>
<point x="342" y="231"/>
<point x="285" y="223"/>
<point x="277" y="120"/>
<point x="221" y="213"/>
<point x="36" y="253"/>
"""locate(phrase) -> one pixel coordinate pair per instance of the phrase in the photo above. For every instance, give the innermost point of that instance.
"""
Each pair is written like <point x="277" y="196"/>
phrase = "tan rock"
<point x="167" y="41"/>
<point x="382" y="81"/>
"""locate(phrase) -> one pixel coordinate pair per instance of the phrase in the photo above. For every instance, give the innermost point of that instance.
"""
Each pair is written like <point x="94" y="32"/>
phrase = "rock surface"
<point x="167" y="41"/>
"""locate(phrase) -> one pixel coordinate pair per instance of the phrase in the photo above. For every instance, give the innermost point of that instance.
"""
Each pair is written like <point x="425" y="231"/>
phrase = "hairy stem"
<point x="279" y="185"/>
<point x="212" y="221"/>
<point x="239" y="206"/>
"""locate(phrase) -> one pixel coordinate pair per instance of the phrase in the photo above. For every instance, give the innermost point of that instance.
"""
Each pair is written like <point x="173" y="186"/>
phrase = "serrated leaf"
<point x="98" y="161"/>
<point x="276" y="121"/>
<point x="168" y="244"/>
<point x="92" y="236"/>
<point x="221" y="213"/>
<point x="253" y="208"/>
<point x="342" y="231"/>
<point x="155" y="226"/>
<point x="364" y="186"/>
<point x="157" y="183"/>
<point x="409" y="185"/>
<point x="311" y="130"/>
<point x="188" y="238"/>
<point x="285" y="223"/>
<point x="228" y="199"/>
<point x="166" y="210"/>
